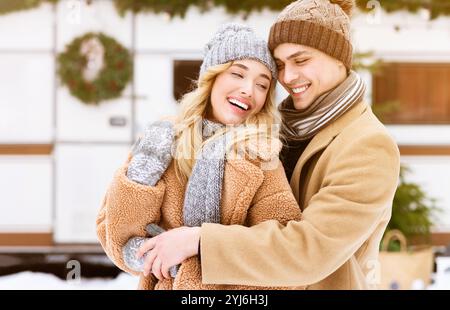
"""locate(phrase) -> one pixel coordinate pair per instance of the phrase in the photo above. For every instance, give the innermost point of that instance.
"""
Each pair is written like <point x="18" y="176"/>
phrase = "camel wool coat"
<point x="345" y="182"/>
<point x="254" y="190"/>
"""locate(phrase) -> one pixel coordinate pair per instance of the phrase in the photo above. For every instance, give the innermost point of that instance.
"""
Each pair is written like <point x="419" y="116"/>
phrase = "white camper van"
<point x="57" y="154"/>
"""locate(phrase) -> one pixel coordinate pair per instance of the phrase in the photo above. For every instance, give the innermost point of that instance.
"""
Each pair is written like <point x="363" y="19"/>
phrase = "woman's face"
<point x="239" y="92"/>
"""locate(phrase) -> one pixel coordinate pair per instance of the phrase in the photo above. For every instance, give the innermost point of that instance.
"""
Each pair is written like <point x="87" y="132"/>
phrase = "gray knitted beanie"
<point x="234" y="42"/>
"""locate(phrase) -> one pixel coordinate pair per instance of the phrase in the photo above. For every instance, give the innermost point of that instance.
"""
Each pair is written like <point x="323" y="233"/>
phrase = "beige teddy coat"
<point x="254" y="190"/>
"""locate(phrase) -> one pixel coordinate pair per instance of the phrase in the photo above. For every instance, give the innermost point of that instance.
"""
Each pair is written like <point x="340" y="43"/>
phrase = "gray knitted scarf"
<point x="304" y="124"/>
<point x="204" y="188"/>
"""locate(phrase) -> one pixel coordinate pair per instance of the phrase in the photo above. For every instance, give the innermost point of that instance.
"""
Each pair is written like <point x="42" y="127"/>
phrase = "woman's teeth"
<point x="300" y="89"/>
<point x="239" y="104"/>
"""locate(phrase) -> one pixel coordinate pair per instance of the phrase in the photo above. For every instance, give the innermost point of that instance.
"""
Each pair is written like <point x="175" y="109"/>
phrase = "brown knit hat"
<point x="321" y="24"/>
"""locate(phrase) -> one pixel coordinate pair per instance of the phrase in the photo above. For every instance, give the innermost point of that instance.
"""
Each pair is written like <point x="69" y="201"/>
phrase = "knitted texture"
<point x="204" y="188"/>
<point x="129" y="254"/>
<point x="152" y="154"/>
<point x="234" y="41"/>
<point x="320" y="24"/>
<point x="303" y="125"/>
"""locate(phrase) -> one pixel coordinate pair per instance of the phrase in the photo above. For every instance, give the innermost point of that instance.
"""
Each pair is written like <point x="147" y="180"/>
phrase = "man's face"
<point x="306" y="73"/>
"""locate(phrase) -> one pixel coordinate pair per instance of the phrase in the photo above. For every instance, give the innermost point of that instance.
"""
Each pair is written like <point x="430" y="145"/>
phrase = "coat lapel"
<point x="244" y="177"/>
<point x="243" y="181"/>
<point x="321" y="140"/>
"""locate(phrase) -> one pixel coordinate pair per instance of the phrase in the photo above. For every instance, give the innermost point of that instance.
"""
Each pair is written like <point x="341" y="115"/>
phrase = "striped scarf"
<point x="299" y="125"/>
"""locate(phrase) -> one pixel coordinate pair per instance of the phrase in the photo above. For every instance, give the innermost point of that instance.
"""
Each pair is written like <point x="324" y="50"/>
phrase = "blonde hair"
<point x="194" y="106"/>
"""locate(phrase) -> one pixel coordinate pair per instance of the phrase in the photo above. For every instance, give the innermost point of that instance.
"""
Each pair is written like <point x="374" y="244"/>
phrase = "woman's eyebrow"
<point x="241" y="66"/>
<point x="265" y="76"/>
<point x="246" y="68"/>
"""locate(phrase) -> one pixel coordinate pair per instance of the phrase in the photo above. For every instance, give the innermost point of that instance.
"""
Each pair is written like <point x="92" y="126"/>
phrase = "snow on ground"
<point x="43" y="281"/>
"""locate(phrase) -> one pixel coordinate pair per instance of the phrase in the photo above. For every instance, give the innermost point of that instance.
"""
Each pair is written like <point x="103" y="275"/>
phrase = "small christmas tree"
<point x="413" y="212"/>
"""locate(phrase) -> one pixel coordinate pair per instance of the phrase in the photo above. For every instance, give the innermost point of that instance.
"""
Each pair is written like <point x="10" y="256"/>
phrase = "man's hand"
<point x="169" y="249"/>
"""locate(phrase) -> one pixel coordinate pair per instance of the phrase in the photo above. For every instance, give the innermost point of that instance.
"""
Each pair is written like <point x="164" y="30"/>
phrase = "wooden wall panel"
<point x="421" y="89"/>
<point x="26" y="239"/>
<point x="26" y="149"/>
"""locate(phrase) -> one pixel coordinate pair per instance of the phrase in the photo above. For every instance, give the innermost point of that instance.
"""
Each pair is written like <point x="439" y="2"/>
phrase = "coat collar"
<point x="322" y="139"/>
<point x="249" y="171"/>
<point x="265" y="151"/>
<point x="248" y="178"/>
<point x="258" y="154"/>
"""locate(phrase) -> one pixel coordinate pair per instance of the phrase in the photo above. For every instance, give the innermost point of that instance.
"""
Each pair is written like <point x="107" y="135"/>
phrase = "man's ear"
<point x="343" y="67"/>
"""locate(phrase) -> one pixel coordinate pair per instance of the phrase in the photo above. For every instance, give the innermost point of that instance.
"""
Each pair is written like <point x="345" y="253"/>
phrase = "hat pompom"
<point x="233" y="41"/>
<point x="346" y="5"/>
<point x="224" y="31"/>
<point x="231" y="29"/>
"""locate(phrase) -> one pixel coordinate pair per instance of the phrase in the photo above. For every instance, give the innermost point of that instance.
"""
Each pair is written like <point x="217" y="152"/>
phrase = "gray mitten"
<point x="152" y="154"/>
<point x="132" y="246"/>
<point x="129" y="254"/>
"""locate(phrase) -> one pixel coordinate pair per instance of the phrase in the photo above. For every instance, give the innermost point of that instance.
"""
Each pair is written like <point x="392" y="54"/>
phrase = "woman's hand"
<point x="169" y="249"/>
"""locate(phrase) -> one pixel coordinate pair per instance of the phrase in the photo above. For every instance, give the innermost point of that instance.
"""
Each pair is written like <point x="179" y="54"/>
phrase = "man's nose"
<point x="289" y="75"/>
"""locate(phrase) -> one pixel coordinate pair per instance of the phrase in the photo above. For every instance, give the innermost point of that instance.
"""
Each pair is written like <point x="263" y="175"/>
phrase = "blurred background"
<point x="80" y="79"/>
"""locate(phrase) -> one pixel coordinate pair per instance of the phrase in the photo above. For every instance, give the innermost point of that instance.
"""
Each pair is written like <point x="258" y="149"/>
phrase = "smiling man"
<point x="342" y="165"/>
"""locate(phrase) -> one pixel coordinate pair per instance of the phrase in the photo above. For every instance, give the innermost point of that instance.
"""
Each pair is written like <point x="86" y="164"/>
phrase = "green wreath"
<point x="112" y="77"/>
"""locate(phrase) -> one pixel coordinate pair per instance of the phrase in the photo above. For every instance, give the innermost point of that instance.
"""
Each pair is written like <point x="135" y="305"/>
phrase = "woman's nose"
<point x="246" y="93"/>
<point x="247" y="89"/>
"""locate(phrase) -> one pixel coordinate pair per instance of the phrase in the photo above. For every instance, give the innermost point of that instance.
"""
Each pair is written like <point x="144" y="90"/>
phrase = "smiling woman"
<point x="199" y="182"/>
